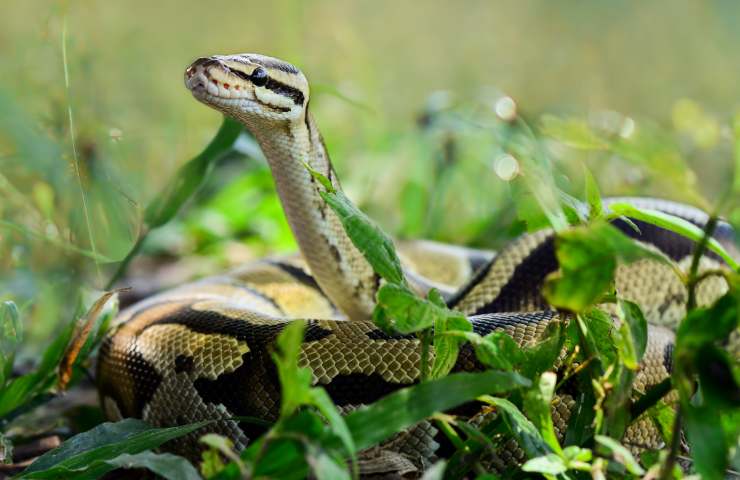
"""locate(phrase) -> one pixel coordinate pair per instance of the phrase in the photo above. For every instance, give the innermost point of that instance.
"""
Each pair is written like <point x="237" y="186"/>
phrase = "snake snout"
<point x="198" y="78"/>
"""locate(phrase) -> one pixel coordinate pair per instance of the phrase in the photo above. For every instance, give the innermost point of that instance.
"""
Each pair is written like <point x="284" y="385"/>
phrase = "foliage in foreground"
<point x="520" y="384"/>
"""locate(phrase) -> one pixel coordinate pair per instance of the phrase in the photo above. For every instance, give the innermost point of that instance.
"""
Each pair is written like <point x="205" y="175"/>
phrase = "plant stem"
<point x="651" y="397"/>
<point x="666" y="472"/>
<point x="701" y="247"/>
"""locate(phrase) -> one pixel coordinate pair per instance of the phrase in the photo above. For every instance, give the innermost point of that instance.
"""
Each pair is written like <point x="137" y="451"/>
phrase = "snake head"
<point x="249" y="87"/>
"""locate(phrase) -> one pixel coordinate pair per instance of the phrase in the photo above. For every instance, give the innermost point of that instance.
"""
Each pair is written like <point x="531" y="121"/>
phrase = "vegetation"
<point x="74" y="218"/>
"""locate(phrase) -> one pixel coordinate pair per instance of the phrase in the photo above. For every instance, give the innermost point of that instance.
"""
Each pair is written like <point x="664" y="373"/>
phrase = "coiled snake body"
<point x="202" y="351"/>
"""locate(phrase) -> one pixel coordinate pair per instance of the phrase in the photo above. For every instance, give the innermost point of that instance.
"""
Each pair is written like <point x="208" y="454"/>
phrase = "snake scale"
<point x="202" y="350"/>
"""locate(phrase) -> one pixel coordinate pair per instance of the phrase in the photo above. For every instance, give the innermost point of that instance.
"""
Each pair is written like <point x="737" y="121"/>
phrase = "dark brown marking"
<point x="184" y="363"/>
<point x="335" y="253"/>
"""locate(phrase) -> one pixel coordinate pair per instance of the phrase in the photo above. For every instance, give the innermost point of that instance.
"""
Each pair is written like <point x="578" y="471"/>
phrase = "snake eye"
<point x="259" y="77"/>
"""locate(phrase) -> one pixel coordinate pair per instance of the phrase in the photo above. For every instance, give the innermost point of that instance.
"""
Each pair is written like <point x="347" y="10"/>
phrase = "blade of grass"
<point x="76" y="160"/>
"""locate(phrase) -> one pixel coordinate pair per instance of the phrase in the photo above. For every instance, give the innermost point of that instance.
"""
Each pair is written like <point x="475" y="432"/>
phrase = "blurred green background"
<point x="642" y="93"/>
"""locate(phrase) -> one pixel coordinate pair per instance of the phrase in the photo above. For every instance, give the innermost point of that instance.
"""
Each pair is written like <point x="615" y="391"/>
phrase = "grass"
<point x="89" y="177"/>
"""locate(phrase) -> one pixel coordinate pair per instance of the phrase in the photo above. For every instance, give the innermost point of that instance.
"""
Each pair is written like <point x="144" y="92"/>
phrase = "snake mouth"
<point x="210" y="81"/>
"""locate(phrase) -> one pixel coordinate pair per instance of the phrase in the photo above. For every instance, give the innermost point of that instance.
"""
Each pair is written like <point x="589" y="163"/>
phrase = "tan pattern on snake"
<point x="202" y="351"/>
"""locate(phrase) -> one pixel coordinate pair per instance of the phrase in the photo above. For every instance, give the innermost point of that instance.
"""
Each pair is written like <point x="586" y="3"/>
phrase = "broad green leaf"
<point x="409" y="313"/>
<point x="380" y="420"/>
<point x="664" y="417"/>
<point x="447" y="347"/>
<point x="537" y="405"/>
<point x="165" y="465"/>
<point x="588" y="257"/>
<point x="370" y="240"/>
<point x="521" y="428"/>
<point x="596" y="327"/>
<point x="496" y="350"/>
<point x="631" y="338"/>
<point x="104" y="442"/>
<point x="719" y="386"/>
<point x="707" y="441"/>
<point x="621" y="454"/>
<point x="282" y="452"/>
<point x="295" y="381"/>
<point x="581" y="423"/>
<point x="550" y="464"/>
<point x="674" y="224"/>
<point x="705" y="325"/>
<point x="541" y="356"/>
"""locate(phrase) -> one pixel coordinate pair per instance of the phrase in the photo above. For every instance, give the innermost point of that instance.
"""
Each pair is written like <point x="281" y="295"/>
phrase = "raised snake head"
<point x="249" y="87"/>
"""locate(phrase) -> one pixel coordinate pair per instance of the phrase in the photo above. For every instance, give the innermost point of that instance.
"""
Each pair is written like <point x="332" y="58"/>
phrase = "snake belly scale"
<point x="202" y="350"/>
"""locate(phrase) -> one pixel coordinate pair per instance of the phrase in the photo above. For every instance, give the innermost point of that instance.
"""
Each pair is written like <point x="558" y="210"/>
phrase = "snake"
<point x="203" y="350"/>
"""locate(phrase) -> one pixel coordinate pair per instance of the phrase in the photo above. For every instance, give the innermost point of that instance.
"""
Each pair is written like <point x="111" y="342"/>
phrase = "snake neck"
<point x="339" y="268"/>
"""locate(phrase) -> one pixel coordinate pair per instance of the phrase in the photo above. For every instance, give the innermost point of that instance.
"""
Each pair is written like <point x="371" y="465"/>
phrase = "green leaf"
<point x="496" y="350"/>
<point x="323" y="403"/>
<point x="409" y="313"/>
<point x="321" y="178"/>
<point x="324" y="465"/>
<point x="674" y="224"/>
<point x="446" y="347"/>
<point x="549" y="464"/>
<point x="11" y="334"/>
<point x="664" y="416"/>
<point x="212" y="464"/>
<point x="708" y="447"/>
<point x="295" y="381"/>
<point x="165" y="465"/>
<point x="524" y="431"/>
<point x="20" y="391"/>
<point x="380" y="420"/>
<point x="370" y="240"/>
<point x="537" y="405"/>
<point x="632" y="336"/>
<point x="593" y="197"/>
<point x="588" y="257"/>
<point x="104" y="442"/>
<point x="542" y="355"/>
<point x="705" y="325"/>
<point x="719" y="387"/>
<point x="596" y="327"/>
<point x="621" y="454"/>
<point x="219" y="445"/>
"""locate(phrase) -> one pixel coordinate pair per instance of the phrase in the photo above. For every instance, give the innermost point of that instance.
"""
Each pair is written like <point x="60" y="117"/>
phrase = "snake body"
<point x="202" y="350"/>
